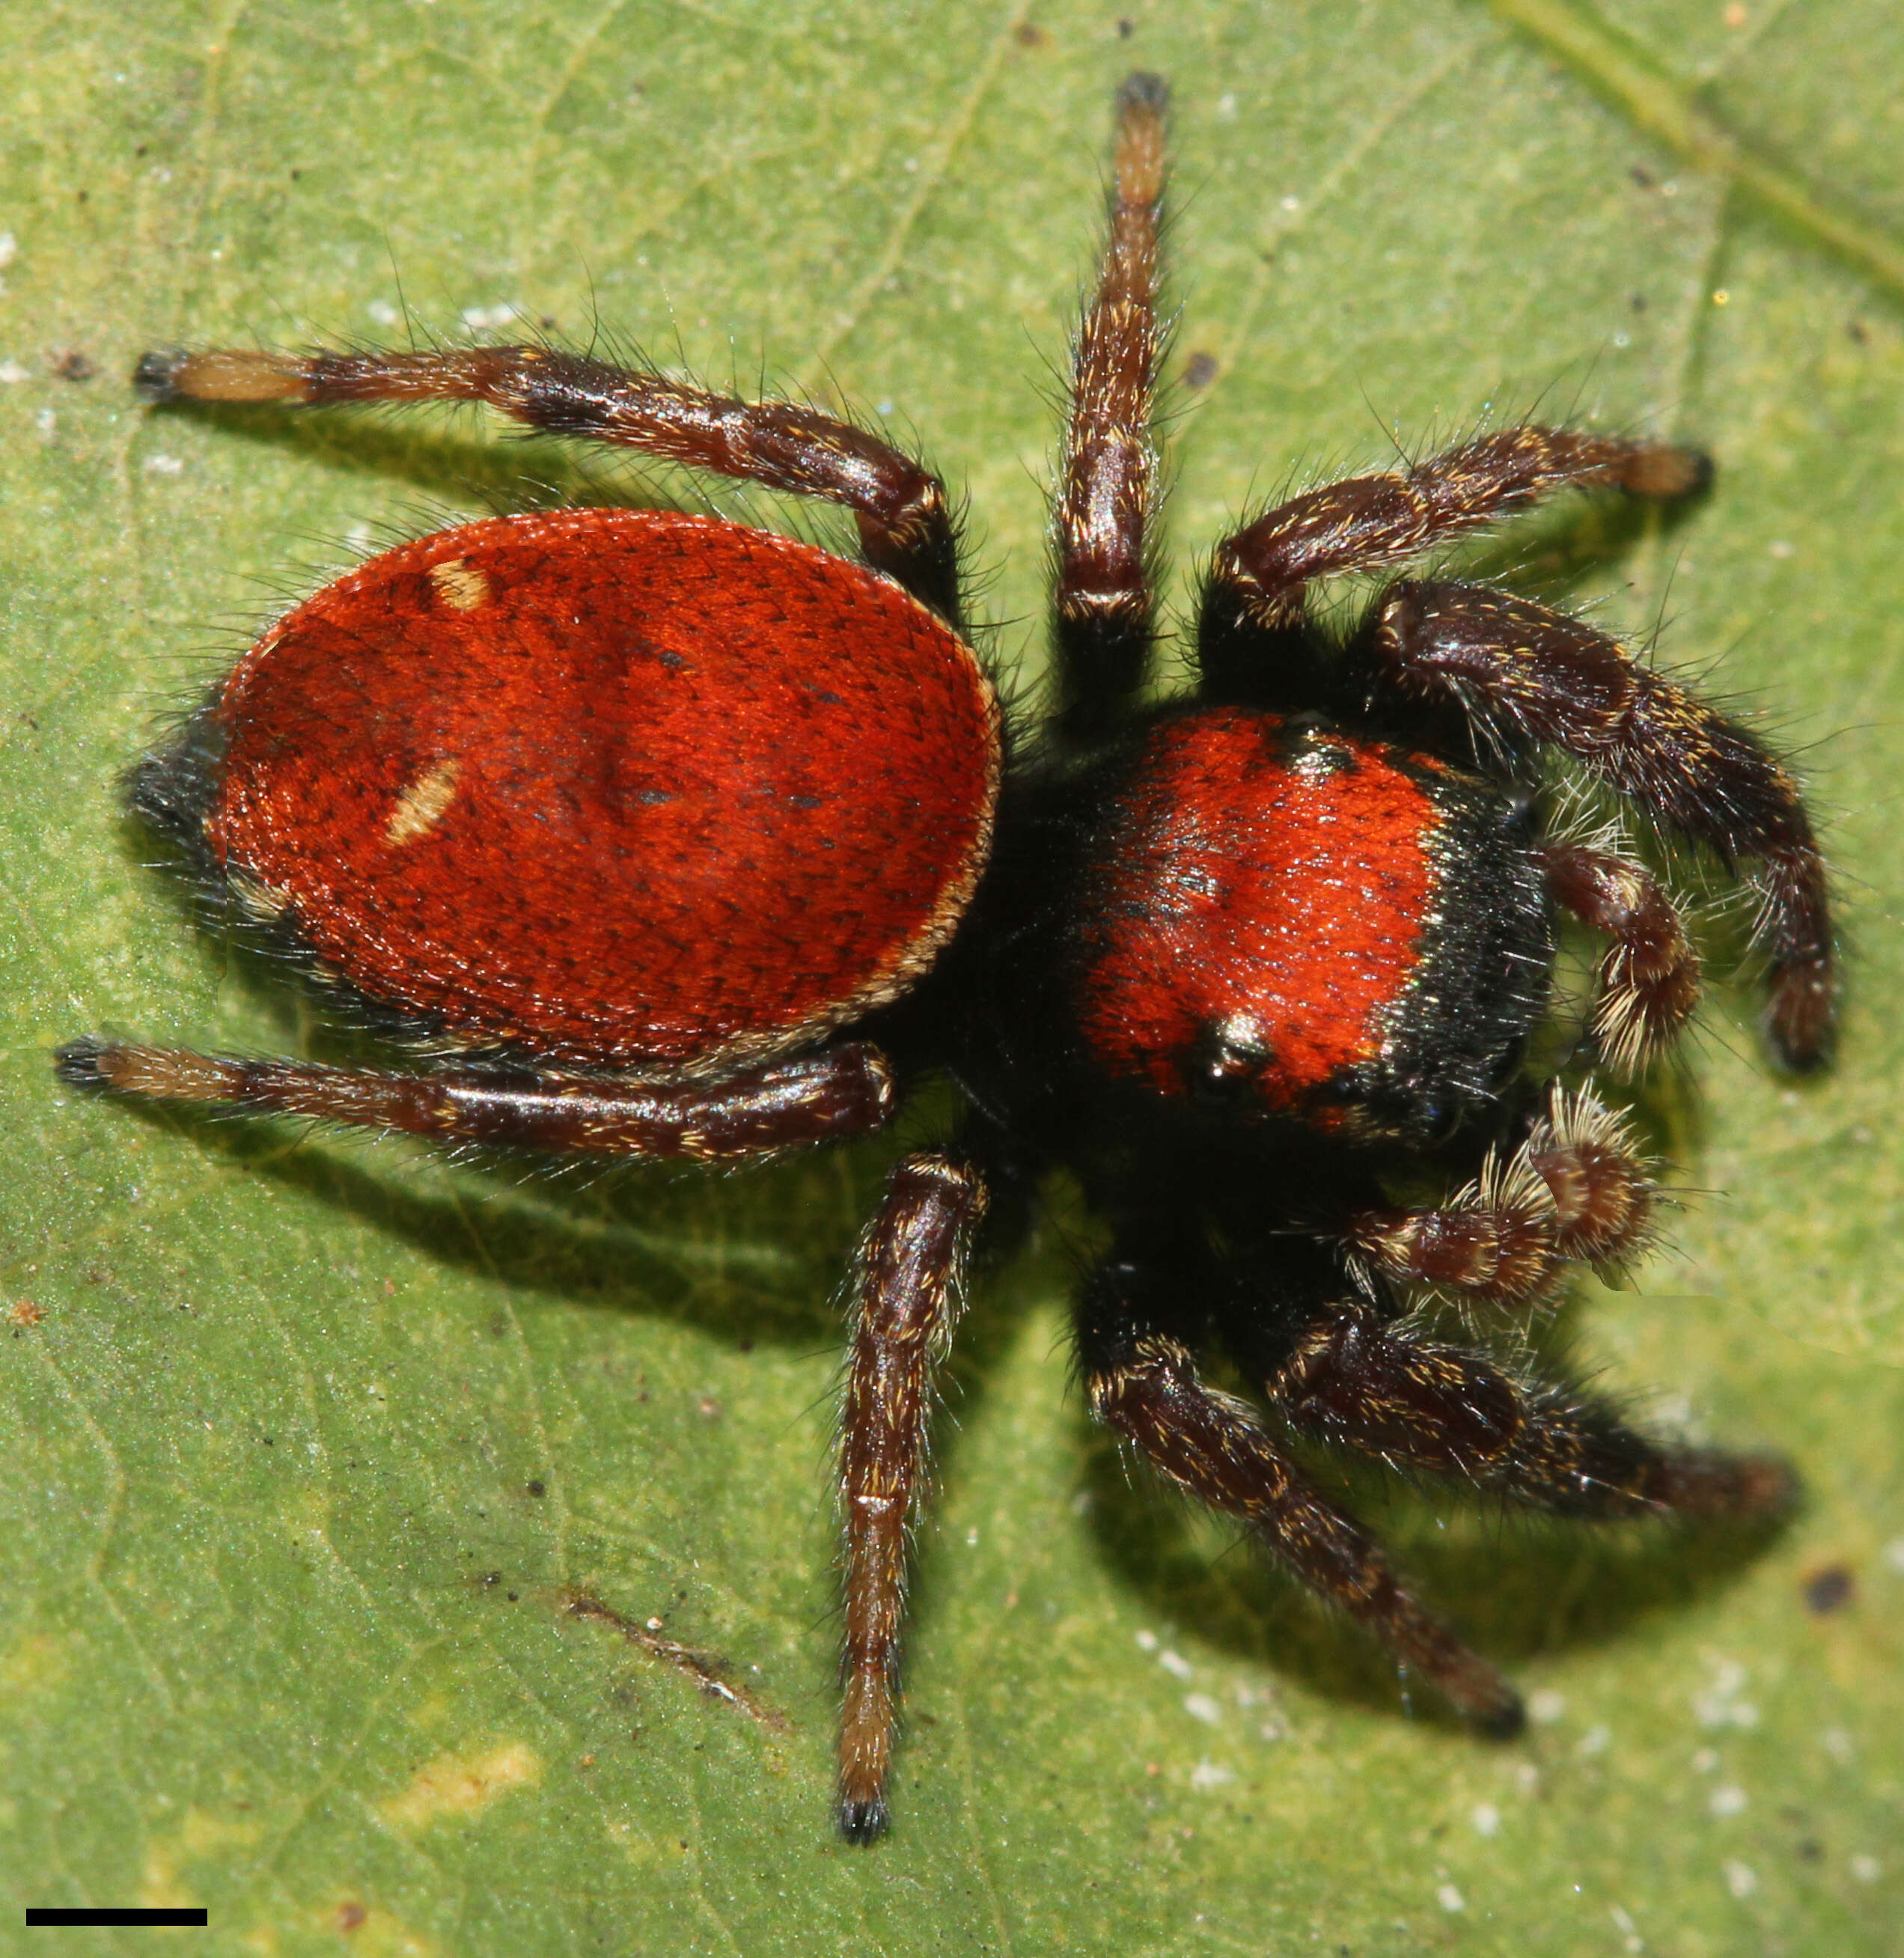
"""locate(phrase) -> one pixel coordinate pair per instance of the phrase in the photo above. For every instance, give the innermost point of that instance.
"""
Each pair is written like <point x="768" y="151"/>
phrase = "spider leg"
<point x="1142" y="1382"/>
<point x="1105" y="606"/>
<point x="1574" y="1189"/>
<point x="1364" y="521"/>
<point x="1365" y="1385"/>
<point x="906" y="528"/>
<point x="1649" y="977"/>
<point x="1520" y="672"/>
<point x="840" y="1091"/>
<point x="908" y="1302"/>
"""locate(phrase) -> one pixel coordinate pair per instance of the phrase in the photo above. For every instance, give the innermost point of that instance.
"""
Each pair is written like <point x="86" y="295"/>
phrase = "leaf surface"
<point x="309" y="1438"/>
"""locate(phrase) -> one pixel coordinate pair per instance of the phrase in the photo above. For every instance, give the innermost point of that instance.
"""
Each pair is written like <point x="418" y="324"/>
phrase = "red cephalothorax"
<point x="674" y="837"/>
<point x="1280" y="915"/>
<point x="1262" y="903"/>
<point x="511" y="775"/>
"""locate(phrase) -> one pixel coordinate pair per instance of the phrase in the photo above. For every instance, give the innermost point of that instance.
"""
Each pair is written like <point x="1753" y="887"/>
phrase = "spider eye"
<point x="1227" y="1063"/>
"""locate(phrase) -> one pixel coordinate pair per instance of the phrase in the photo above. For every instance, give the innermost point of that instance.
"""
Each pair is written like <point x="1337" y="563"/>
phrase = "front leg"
<point x="907" y="1301"/>
<point x="1522" y="674"/>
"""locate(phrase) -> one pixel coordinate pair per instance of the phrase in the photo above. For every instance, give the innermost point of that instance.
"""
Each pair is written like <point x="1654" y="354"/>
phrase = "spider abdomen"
<point x="612" y="785"/>
<point x="1311" y="923"/>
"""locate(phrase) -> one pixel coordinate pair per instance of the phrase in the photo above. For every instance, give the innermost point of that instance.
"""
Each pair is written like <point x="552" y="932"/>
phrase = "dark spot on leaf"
<point x="1830" y="1589"/>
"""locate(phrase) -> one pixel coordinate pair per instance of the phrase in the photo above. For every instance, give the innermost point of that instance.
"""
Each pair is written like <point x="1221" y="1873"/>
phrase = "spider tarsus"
<point x="1143" y="89"/>
<point x="220" y="374"/>
<point x="156" y="379"/>
<point x="1670" y="473"/>
<point x="1706" y="1482"/>
<point x="1506" y="1720"/>
<point x="1798" y="1022"/>
<point x="81" y="1063"/>
<point x="863" y="1823"/>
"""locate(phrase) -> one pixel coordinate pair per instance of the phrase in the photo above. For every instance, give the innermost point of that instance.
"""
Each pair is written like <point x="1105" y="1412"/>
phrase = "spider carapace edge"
<point x="670" y="836"/>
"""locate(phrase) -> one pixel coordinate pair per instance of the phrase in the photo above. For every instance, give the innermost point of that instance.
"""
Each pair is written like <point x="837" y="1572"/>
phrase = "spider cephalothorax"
<point x="674" y="837"/>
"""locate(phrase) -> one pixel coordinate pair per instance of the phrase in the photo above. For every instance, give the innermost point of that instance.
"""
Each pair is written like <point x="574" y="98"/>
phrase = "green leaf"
<point x="309" y="1438"/>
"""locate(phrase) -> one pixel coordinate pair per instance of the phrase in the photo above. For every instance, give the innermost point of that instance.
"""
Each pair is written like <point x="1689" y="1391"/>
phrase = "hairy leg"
<point x="908" y="1301"/>
<point x="840" y="1091"/>
<point x="1522" y="674"/>
<point x="1362" y="1384"/>
<point x="1366" y="521"/>
<point x="1142" y="1383"/>
<point x="906" y="528"/>
<point x="1104" y="602"/>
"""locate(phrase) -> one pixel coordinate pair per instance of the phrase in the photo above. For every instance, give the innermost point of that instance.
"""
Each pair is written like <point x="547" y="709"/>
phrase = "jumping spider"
<point x="675" y="837"/>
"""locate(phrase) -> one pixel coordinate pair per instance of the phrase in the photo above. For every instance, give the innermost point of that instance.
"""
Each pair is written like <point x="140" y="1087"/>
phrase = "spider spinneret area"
<point x="672" y="836"/>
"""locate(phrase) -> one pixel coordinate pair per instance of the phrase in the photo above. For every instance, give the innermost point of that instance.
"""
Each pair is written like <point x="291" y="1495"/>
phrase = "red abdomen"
<point x="615" y="786"/>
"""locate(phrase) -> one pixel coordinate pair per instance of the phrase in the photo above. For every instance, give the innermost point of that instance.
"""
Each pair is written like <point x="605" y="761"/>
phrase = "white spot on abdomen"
<point x="459" y="584"/>
<point x="420" y="807"/>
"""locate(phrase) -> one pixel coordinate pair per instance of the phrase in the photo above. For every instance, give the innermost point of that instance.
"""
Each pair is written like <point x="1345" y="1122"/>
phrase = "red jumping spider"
<point x="689" y="839"/>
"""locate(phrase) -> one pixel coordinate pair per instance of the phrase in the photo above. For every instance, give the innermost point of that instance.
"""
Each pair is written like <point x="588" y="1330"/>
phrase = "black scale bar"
<point x="122" y="1916"/>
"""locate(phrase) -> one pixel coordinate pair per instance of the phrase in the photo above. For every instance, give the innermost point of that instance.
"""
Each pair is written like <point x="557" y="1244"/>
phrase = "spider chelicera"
<point x="674" y="837"/>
